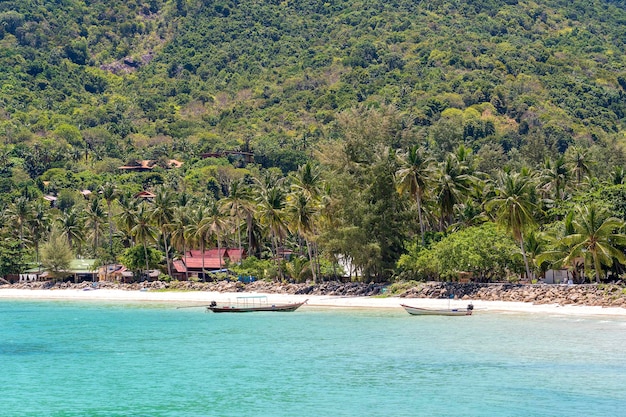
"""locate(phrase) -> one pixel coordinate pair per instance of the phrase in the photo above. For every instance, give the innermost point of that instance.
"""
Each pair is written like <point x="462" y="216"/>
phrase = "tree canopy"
<point x="339" y="130"/>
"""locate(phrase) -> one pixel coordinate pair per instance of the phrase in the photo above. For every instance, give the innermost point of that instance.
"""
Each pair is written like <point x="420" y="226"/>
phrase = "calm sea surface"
<point x="112" y="359"/>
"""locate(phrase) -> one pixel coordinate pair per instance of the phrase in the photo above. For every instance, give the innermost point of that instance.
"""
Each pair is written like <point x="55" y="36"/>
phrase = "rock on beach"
<point x="603" y="295"/>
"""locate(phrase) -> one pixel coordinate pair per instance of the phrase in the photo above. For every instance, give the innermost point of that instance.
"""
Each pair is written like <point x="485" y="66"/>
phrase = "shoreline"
<point x="190" y="299"/>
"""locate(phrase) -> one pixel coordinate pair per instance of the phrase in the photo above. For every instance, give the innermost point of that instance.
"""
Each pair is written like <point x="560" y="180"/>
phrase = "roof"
<point x="140" y="165"/>
<point x="83" y="266"/>
<point x="145" y="194"/>
<point x="173" y="163"/>
<point x="193" y="259"/>
<point x="236" y="255"/>
<point x="147" y="164"/>
<point x="208" y="253"/>
<point x="209" y="263"/>
<point x="77" y="266"/>
<point x="152" y="273"/>
<point x="114" y="269"/>
<point x="179" y="266"/>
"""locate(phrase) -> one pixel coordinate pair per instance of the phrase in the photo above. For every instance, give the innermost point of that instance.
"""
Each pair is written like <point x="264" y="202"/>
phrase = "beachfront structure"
<point x="83" y="270"/>
<point x="119" y="273"/>
<point x="558" y="276"/>
<point x="194" y="263"/>
<point x="78" y="271"/>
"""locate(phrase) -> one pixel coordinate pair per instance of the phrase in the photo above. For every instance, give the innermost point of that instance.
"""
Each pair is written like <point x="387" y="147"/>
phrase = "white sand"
<point x="200" y="298"/>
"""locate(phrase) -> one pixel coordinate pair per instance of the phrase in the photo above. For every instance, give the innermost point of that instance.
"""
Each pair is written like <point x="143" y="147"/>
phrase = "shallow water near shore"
<point x="122" y="359"/>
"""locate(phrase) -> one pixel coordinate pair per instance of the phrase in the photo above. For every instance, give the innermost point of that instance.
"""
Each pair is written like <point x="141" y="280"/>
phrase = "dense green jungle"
<point x="373" y="140"/>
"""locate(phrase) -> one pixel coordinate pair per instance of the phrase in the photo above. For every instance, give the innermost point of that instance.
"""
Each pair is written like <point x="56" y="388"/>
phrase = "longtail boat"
<point x="416" y="311"/>
<point x="251" y="304"/>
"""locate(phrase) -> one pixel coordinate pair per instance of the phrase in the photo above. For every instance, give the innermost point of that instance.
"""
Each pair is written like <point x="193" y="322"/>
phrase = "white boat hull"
<point x="416" y="311"/>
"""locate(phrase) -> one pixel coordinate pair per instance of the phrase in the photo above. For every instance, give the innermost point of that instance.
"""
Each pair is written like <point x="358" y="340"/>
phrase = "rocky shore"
<point x="603" y="295"/>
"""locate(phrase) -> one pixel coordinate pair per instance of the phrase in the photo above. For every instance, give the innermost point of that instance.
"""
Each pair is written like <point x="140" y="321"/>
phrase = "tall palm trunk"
<point x="106" y="267"/>
<point x="202" y="254"/>
<point x="275" y="246"/>
<point x="110" y="229"/>
<point x="238" y="220"/>
<point x="250" y="231"/>
<point x="219" y="252"/>
<point x="145" y="253"/>
<point x="596" y="266"/>
<point x="37" y="255"/>
<point x="167" y="254"/>
<point x="311" y="261"/>
<point x="318" y="266"/>
<point x="521" y="245"/>
<point x="185" y="256"/>
<point x="420" y="217"/>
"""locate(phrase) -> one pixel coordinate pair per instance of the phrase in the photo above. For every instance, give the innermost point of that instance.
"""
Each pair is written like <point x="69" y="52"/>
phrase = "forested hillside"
<point x="357" y="90"/>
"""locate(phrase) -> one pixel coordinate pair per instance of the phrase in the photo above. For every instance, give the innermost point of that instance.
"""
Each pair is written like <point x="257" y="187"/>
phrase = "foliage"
<point x="483" y="251"/>
<point x="11" y="257"/>
<point x="257" y="268"/>
<point x="134" y="258"/>
<point x="378" y="96"/>
<point x="56" y="255"/>
<point x="399" y="287"/>
<point x="596" y="238"/>
<point x="96" y="76"/>
<point x="298" y="269"/>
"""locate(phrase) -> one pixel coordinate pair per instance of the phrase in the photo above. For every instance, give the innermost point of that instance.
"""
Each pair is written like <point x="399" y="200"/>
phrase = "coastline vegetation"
<point x="383" y="141"/>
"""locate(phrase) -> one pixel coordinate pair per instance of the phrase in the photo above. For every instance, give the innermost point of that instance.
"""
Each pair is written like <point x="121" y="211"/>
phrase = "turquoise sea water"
<point x="111" y="359"/>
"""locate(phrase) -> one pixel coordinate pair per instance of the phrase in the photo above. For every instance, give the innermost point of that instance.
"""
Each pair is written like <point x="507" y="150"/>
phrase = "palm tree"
<point x="450" y="188"/>
<point x="18" y="213"/>
<point x="38" y="225"/>
<point x="179" y="231"/>
<point x="413" y="177"/>
<point x="618" y="175"/>
<point x="302" y="211"/>
<point x="127" y="217"/>
<point x="95" y="220"/>
<point x="555" y="176"/>
<point x="307" y="179"/>
<point x="595" y="237"/>
<point x="5" y="160"/>
<point x="143" y="230"/>
<point x="297" y="268"/>
<point x="237" y="204"/>
<point x="213" y="226"/>
<point x="513" y="206"/>
<point x="535" y="244"/>
<point x="196" y="231"/>
<point x="556" y="250"/>
<point x="109" y="193"/>
<point x="468" y="214"/>
<point x="270" y="209"/>
<point x="162" y="213"/>
<point x="73" y="227"/>
<point x="579" y="161"/>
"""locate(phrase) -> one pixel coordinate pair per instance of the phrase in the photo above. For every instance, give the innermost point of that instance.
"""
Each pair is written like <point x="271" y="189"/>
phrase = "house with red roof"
<point x="196" y="264"/>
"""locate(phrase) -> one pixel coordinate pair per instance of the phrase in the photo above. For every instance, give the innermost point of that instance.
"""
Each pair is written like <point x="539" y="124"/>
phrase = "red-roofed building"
<point x="145" y="194"/>
<point x="191" y="264"/>
<point x="149" y="164"/>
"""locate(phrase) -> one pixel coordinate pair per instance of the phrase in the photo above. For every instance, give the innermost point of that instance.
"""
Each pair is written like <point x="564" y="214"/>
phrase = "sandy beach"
<point x="200" y="298"/>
